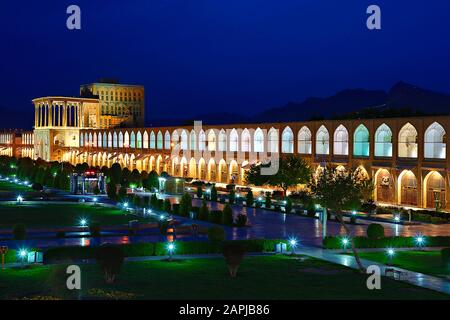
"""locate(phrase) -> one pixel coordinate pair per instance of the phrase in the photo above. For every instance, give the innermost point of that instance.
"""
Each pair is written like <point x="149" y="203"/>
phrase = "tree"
<point x="115" y="172"/>
<point x="233" y="253"/>
<point x="111" y="190"/>
<point x="227" y="215"/>
<point x="231" y="196"/>
<point x="292" y="171"/>
<point x="151" y="181"/>
<point x="268" y="201"/>
<point x="288" y="205"/>
<point x="249" y="199"/>
<point x="199" y="192"/>
<point x="338" y="191"/>
<point x="204" y="211"/>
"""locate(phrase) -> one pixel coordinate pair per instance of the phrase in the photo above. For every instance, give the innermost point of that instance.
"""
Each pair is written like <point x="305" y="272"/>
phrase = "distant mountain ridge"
<point x="402" y="99"/>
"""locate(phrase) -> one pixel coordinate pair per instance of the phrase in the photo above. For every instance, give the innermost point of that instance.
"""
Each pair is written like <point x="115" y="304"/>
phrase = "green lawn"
<point x="428" y="262"/>
<point x="41" y="215"/>
<point x="268" y="277"/>
<point x="7" y="187"/>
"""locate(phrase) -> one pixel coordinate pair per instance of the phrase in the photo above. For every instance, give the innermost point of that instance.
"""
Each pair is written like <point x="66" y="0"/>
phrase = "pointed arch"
<point x="211" y="140"/>
<point x="184" y="140"/>
<point x="115" y="140"/>
<point x="361" y="141"/>
<point x="407" y="141"/>
<point x="234" y="141"/>
<point x="322" y="141"/>
<point x="304" y="140"/>
<point x="383" y="141"/>
<point x="192" y="168"/>
<point x="222" y="141"/>
<point x="201" y="140"/>
<point x="287" y="141"/>
<point x="193" y="140"/>
<point x="145" y="140"/>
<point x="167" y="140"/>
<point x="434" y="190"/>
<point x="245" y="141"/>
<point x="159" y="140"/>
<point x="139" y="140"/>
<point x="407" y="186"/>
<point x="258" y="141"/>
<point x="272" y="140"/>
<point x="435" y="142"/>
<point x="132" y="140"/>
<point x="340" y="141"/>
<point x="126" y="140"/>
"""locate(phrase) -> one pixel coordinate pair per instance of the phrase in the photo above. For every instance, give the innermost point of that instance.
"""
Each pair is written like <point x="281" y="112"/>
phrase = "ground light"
<point x="19" y="199"/>
<point x="293" y="242"/>
<point x="345" y="242"/>
<point x="170" y="249"/>
<point x="125" y="205"/>
<point x="22" y="255"/>
<point x="397" y="218"/>
<point x="161" y="217"/>
<point x="390" y="253"/>
<point x="353" y="213"/>
<point x="83" y="222"/>
<point x="419" y="240"/>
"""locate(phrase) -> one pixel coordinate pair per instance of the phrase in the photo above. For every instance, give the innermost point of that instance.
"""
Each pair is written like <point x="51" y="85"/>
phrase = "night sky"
<point x="202" y="56"/>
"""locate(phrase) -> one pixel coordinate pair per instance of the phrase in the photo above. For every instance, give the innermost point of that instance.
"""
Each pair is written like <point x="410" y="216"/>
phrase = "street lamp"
<point x="420" y="240"/>
<point x="397" y="218"/>
<point x="22" y="255"/>
<point x="83" y="222"/>
<point x="19" y="199"/>
<point x="170" y="250"/>
<point x="293" y="243"/>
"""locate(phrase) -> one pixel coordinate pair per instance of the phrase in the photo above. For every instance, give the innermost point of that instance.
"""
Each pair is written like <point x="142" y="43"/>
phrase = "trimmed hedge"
<point x="394" y="242"/>
<point x="158" y="249"/>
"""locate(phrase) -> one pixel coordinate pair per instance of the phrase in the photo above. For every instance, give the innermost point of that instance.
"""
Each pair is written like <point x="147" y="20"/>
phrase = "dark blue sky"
<point x="200" y="56"/>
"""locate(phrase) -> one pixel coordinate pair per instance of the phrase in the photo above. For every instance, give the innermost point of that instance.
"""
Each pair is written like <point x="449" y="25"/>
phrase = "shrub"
<point x="375" y="231"/>
<point x="385" y="242"/>
<point x="176" y="208"/>
<point x="19" y="231"/>
<point x="95" y="229"/>
<point x="241" y="220"/>
<point x="268" y="201"/>
<point x="445" y="256"/>
<point x="163" y="226"/>
<point x="352" y="219"/>
<point x="195" y="211"/>
<point x="216" y="234"/>
<point x="204" y="212"/>
<point x="231" y="196"/>
<point x="199" y="192"/>
<point x="437" y="220"/>
<point x="227" y="215"/>
<point x="213" y="193"/>
<point x="185" y="205"/>
<point x="160" y="204"/>
<point x="249" y="198"/>
<point x="154" y="201"/>
<point x="110" y="258"/>
<point x="288" y="205"/>
<point x="167" y="206"/>
<point x="96" y="190"/>
<point x="233" y="253"/>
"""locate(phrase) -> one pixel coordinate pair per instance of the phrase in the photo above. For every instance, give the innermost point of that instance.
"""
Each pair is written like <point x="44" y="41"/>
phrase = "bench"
<point x="396" y="274"/>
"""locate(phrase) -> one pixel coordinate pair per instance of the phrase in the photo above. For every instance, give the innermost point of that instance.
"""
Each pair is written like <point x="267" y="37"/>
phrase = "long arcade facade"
<point x="407" y="158"/>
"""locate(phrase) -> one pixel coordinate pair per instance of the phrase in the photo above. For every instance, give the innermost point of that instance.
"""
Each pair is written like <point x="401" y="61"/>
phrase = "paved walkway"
<point x="415" y="278"/>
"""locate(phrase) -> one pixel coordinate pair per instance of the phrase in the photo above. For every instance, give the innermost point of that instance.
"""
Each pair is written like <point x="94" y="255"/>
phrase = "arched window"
<point x="245" y="141"/>
<point x="132" y="140"/>
<point x="115" y="140"/>
<point x="86" y="139"/>
<point x="193" y="140"/>
<point x="233" y="140"/>
<point x="340" y="141"/>
<point x="258" y="141"/>
<point x="153" y="141"/>
<point x="211" y="140"/>
<point x="121" y="139"/>
<point x="383" y="141"/>
<point x="201" y="140"/>
<point x="167" y="140"/>
<point x="99" y="140"/>
<point x="81" y="140"/>
<point x="304" y="141"/>
<point x="435" y="142"/>
<point x="175" y="138"/>
<point x="139" y="140"/>
<point x="184" y="140"/>
<point x="287" y="141"/>
<point x="110" y="140"/>
<point x="159" y="140"/>
<point x="322" y="141"/>
<point x="407" y="141"/>
<point x="105" y="140"/>
<point x="361" y="141"/>
<point x="145" y="140"/>
<point x="272" y="138"/>
<point x="222" y="141"/>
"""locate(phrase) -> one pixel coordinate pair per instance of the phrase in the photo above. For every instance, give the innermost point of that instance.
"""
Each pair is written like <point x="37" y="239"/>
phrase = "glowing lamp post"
<point x="23" y="255"/>
<point x="345" y="242"/>
<point x="419" y="240"/>
<point x="397" y="218"/>
<point x="293" y="243"/>
<point x="170" y="250"/>
<point x="83" y="222"/>
<point x="19" y="199"/>
<point x="390" y="253"/>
